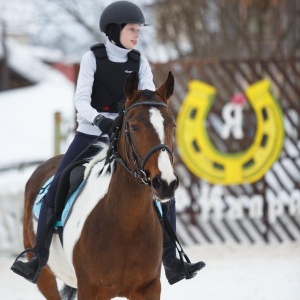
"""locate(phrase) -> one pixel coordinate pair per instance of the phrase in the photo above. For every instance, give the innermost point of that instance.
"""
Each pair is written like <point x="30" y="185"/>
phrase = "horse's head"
<point x="146" y="137"/>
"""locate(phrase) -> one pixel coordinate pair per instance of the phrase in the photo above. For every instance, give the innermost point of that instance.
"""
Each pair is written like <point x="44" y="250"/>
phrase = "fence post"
<point x="265" y="211"/>
<point x="57" y="133"/>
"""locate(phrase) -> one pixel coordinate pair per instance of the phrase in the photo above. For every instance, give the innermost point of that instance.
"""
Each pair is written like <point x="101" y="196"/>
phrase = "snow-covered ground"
<point x="233" y="272"/>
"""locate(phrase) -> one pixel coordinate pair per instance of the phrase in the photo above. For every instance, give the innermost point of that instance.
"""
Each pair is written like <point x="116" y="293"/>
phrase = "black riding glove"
<point x="104" y="124"/>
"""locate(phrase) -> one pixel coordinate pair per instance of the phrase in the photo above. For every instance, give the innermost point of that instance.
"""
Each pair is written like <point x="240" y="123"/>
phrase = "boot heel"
<point x="175" y="279"/>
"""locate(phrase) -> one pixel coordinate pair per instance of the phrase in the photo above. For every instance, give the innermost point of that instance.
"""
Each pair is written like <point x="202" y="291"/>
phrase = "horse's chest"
<point x="112" y="237"/>
<point x="113" y="247"/>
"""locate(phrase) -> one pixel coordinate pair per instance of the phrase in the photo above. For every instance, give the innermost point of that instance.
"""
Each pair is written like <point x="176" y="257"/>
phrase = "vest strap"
<point x="99" y="50"/>
<point x="135" y="55"/>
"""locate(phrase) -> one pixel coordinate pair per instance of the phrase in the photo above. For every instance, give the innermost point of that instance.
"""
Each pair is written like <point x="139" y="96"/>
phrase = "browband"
<point x="149" y="103"/>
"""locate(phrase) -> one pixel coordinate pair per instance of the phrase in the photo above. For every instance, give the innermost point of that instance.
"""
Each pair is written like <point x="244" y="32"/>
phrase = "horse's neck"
<point x="130" y="195"/>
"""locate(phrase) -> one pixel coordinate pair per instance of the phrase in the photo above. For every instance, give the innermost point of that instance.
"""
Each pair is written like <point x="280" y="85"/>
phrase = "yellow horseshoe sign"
<point x="205" y="161"/>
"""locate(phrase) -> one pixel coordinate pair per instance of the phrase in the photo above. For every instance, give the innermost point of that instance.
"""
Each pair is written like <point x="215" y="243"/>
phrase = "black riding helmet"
<point x="121" y="12"/>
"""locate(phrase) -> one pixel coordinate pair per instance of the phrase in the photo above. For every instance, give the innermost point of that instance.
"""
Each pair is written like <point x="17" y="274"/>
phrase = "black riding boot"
<point x="31" y="270"/>
<point x="174" y="268"/>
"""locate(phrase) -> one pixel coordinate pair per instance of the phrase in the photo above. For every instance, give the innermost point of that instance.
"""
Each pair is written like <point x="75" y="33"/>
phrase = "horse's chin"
<point x="163" y="199"/>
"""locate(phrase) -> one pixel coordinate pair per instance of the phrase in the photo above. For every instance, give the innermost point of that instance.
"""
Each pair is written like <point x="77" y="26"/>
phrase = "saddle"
<point x="69" y="187"/>
<point x="70" y="180"/>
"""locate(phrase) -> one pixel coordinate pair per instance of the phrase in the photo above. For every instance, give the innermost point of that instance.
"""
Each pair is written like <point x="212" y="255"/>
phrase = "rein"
<point x="138" y="161"/>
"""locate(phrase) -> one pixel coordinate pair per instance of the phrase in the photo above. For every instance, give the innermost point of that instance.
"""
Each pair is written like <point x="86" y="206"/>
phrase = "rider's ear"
<point x="167" y="88"/>
<point x="131" y="85"/>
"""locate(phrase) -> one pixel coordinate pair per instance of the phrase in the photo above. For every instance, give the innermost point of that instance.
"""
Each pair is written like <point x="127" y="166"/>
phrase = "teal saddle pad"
<point x="69" y="203"/>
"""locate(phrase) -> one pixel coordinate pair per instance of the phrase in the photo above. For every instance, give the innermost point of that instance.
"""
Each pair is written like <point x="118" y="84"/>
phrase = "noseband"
<point x="138" y="161"/>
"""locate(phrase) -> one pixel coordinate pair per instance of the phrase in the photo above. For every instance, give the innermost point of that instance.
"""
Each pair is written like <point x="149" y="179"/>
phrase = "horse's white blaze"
<point x="164" y="163"/>
<point x="157" y="122"/>
<point x="165" y="167"/>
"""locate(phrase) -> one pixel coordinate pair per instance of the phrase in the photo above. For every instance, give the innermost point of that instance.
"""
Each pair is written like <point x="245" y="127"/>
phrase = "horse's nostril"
<point x="175" y="183"/>
<point x="157" y="183"/>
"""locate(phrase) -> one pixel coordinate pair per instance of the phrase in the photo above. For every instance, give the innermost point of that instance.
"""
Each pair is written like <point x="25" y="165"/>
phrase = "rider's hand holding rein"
<point x="104" y="124"/>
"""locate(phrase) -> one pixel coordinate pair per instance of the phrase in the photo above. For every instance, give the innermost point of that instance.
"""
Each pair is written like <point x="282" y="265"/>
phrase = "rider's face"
<point x="130" y="35"/>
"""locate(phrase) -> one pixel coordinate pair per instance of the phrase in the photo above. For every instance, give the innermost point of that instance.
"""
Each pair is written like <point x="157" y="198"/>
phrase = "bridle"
<point x="138" y="161"/>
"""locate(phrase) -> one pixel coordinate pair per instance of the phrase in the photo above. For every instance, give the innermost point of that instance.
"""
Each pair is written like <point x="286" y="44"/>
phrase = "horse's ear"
<point x="131" y="85"/>
<point x="167" y="88"/>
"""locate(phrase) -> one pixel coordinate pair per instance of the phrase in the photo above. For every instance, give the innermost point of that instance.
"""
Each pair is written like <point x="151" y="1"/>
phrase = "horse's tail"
<point x="68" y="293"/>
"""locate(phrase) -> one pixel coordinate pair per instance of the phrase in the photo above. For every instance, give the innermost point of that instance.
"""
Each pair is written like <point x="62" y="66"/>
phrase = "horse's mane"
<point x="147" y="94"/>
<point x="100" y="156"/>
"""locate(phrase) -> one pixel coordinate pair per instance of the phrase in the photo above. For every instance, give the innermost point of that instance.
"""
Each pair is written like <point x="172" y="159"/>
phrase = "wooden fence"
<point x="212" y="213"/>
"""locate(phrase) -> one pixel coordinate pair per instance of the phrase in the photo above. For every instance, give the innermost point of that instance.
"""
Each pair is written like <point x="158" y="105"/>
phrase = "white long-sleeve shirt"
<point x="85" y="112"/>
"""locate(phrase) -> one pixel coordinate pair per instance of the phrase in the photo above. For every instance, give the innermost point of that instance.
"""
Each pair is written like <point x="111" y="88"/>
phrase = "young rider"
<point x="99" y="94"/>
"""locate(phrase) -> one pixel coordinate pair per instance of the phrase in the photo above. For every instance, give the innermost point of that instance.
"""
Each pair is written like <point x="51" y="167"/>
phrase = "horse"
<point x="112" y="241"/>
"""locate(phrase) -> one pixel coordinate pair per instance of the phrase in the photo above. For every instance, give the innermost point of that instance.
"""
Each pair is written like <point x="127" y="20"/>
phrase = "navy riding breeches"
<point x="74" y="153"/>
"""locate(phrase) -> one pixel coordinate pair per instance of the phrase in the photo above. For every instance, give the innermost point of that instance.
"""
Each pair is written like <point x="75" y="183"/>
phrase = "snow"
<point x="27" y="118"/>
<point x="233" y="272"/>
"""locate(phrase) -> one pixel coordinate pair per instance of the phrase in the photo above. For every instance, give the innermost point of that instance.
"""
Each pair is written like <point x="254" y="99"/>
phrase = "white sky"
<point x="46" y="23"/>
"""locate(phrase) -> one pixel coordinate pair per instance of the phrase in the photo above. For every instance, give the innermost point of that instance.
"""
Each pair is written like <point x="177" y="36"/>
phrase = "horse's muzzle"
<point x="162" y="189"/>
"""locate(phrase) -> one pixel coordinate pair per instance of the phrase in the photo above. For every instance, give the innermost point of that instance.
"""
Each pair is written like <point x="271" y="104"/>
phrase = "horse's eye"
<point x="133" y="128"/>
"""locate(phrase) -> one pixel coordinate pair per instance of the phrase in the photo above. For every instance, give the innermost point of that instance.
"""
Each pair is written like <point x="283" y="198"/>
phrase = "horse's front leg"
<point x="149" y="292"/>
<point x="88" y="291"/>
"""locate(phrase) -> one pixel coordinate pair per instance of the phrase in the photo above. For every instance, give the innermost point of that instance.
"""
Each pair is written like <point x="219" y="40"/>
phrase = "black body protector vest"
<point x="109" y="79"/>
